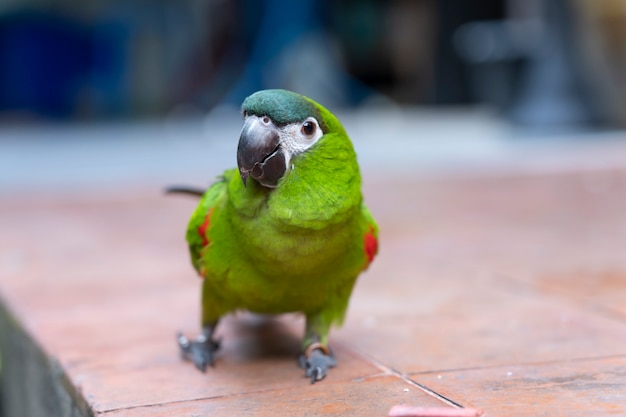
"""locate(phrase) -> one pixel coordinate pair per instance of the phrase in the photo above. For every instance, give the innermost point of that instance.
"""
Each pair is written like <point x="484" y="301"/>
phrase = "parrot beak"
<point x="259" y="154"/>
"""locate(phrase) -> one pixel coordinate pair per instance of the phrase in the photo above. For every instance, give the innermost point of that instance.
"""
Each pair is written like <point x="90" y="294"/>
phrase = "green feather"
<point x="296" y="248"/>
<point x="284" y="107"/>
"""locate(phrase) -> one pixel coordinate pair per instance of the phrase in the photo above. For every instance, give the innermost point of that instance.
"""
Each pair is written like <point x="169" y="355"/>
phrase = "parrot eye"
<point x="299" y="137"/>
<point x="308" y="128"/>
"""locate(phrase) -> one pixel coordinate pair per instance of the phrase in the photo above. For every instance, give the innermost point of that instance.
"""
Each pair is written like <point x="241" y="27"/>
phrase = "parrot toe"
<point x="317" y="364"/>
<point x="200" y="351"/>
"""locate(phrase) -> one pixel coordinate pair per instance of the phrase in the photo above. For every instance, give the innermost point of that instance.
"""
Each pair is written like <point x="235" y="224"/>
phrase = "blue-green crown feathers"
<point x="282" y="106"/>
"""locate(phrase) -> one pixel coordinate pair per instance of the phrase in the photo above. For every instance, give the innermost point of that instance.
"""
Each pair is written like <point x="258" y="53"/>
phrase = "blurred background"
<point x="103" y="103"/>
<point x="111" y="73"/>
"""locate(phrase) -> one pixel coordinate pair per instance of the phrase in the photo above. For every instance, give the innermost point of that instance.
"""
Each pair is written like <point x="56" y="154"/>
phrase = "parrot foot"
<point x="200" y="351"/>
<point x="316" y="361"/>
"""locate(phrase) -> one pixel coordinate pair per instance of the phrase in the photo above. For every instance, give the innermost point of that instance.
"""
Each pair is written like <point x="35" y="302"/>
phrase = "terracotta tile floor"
<point x="502" y="292"/>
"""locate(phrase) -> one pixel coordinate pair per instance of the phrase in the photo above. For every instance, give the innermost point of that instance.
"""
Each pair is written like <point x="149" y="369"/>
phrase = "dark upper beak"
<point x="259" y="154"/>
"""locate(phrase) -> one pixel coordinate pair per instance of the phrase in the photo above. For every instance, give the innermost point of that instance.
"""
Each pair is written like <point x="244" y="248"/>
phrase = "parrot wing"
<point x="370" y="243"/>
<point x="197" y="230"/>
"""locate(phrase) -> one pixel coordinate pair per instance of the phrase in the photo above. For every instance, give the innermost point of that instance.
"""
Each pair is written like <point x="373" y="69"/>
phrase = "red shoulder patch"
<point x="371" y="245"/>
<point x="202" y="229"/>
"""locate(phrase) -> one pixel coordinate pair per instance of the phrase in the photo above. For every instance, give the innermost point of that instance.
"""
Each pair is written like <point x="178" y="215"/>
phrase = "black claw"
<point x="201" y="351"/>
<point x="317" y="365"/>
<point x="201" y="356"/>
<point x="317" y="375"/>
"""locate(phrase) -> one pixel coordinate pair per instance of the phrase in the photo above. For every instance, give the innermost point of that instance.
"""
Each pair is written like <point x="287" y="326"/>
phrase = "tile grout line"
<point x="131" y="407"/>
<point x="386" y="371"/>
<point x="432" y="393"/>
<point x="390" y="371"/>
<point x="520" y="364"/>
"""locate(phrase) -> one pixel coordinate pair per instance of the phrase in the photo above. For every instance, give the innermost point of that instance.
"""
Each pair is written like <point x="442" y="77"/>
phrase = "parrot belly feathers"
<point x="264" y="263"/>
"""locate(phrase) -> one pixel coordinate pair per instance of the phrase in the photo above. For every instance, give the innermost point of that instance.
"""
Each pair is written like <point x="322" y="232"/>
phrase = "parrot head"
<point x="278" y="126"/>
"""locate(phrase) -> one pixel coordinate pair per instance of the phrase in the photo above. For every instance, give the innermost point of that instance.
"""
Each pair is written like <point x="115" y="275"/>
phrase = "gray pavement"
<point x="389" y="141"/>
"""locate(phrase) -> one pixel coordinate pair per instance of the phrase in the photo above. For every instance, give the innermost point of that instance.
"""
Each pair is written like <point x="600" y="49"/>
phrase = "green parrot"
<point x="285" y="232"/>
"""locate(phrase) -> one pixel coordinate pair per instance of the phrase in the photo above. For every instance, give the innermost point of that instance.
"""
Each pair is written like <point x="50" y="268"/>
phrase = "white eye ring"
<point x="309" y="128"/>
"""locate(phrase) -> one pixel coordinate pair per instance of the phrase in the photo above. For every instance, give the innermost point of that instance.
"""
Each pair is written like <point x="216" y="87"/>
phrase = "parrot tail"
<point x="182" y="189"/>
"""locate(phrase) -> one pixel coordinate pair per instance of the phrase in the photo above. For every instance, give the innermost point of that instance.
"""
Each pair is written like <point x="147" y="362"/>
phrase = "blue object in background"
<point x="45" y="60"/>
<point x="51" y="66"/>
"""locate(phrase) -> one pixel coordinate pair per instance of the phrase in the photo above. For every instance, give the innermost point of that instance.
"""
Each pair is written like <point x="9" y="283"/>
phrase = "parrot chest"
<point x="274" y="269"/>
<point x="290" y="249"/>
